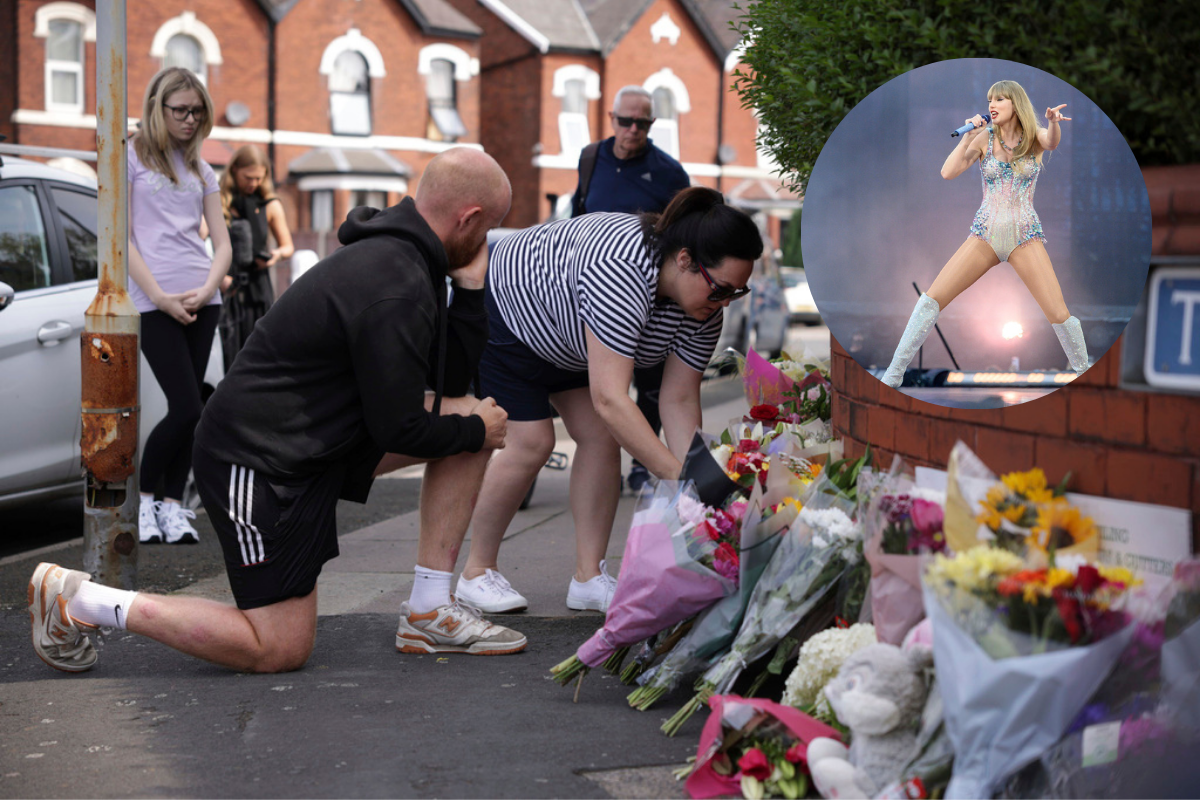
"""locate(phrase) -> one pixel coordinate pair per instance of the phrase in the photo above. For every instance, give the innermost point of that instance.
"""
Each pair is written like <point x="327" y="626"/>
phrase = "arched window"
<point x="576" y="85"/>
<point x="64" y="66"/>
<point x="187" y="42"/>
<point x="184" y="51"/>
<point x="443" y="66"/>
<point x="350" y="95"/>
<point x="65" y="26"/>
<point x="665" y="131"/>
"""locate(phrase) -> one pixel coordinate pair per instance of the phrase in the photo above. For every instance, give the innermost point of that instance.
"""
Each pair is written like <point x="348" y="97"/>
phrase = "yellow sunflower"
<point x="1060" y="525"/>
<point x="1031" y="485"/>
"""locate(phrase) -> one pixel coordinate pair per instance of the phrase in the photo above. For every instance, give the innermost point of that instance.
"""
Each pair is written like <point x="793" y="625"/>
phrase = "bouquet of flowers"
<point x="1181" y="646"/>
<point x="1018" y="649"/>
<point x="672" y="568"/>
<point x="820" y="659"/>
<point x="802" y="573"/>
<point x="785" y="383"/>
<point x="755" y="748"/>
<point x="899" y="523"/>
<point x="769" y="515"/>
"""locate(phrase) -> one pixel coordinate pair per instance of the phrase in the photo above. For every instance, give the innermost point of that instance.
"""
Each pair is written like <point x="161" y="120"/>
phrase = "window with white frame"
<point x="185" y="51"/>
<point x="350" y="95"/>
<point x="665" y="130"/>
<point x="573" y="129"/>
<point x="322" y="210"/>
<point x="64" y="66"/>
<point x="440" y="87"/>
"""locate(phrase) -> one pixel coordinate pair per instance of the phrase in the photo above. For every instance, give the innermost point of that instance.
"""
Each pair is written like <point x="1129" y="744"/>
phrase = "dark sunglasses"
<point x="642" y="124"/>
<point x="180" y="113"/>
<point x="720" y="294"/>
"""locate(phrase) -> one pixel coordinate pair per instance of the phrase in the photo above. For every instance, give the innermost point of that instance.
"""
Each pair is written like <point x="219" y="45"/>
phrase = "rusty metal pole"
<point x="109" y="345"/>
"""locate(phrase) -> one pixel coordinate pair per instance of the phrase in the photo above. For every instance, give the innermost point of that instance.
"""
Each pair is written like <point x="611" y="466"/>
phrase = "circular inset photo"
<point x="976" y="233"/>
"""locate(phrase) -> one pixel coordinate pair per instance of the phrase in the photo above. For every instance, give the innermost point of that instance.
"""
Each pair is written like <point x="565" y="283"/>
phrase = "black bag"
<point x="713" y="486"/>
<point x="241" y="240"/>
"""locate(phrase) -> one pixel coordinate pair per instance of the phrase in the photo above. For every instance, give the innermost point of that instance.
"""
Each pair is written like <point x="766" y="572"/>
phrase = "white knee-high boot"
<point x="919" y="325"/>
<point x="1070" y="336"/>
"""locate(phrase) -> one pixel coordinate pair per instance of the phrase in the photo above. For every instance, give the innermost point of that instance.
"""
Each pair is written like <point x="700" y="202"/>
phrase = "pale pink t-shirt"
<point x="164" y="224"/>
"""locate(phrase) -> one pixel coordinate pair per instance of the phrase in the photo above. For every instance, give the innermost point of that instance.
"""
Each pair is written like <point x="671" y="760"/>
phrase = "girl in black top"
<point x="252" y="211"/>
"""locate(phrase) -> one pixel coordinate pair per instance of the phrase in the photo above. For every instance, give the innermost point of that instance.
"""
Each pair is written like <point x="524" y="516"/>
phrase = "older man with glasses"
<point x="627" y="173"/>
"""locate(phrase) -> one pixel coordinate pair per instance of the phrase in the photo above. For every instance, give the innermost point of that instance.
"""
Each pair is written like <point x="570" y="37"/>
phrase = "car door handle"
<point x="53" y="332"/>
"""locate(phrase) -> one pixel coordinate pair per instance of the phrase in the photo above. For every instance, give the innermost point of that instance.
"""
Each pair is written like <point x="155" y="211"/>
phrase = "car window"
<point x="24" y="258"/>
<point x="77" y="213"/>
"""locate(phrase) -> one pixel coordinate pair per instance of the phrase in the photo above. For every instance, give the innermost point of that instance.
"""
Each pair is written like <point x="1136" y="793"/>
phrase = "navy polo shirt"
<point x="646" y="182"/>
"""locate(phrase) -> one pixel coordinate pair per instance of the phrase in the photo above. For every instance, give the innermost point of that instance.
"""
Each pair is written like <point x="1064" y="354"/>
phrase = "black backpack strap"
<point x="587" y="165"/>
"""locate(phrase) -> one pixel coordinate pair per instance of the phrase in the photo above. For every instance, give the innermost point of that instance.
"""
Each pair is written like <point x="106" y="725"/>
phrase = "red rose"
<point x="755" y="764"/>
<point x="1087" y="579"/>
<point x="704" y="529"/>
<point x="764" y="412"/>
<point x="748" y="446"/>
<point x="796" y="753"/>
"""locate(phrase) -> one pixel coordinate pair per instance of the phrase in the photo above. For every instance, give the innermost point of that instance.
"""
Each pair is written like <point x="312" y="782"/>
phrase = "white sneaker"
<point x="173" y="520"/>
<point x="594" y="594"/>
<point x="148" y="530"/>
<point x="491" y="593"/>
<point x="454" y="628"/>
<point x="58" y="639"/>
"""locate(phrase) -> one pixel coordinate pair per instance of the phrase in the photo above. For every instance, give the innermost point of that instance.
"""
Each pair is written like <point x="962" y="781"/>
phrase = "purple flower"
<point x="1143" y="732"/>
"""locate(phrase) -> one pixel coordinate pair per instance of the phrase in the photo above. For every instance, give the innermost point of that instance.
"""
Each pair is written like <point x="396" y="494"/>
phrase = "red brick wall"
<point x="740" y="125"/>
<point x="1115" y="443"/>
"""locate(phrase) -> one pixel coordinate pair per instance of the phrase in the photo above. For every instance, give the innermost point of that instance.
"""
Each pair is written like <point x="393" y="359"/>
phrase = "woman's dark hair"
<point x="698" y="220"/>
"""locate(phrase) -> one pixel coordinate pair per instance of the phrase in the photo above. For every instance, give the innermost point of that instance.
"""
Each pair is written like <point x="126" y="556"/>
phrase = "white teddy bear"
<point x="879" y="694"/>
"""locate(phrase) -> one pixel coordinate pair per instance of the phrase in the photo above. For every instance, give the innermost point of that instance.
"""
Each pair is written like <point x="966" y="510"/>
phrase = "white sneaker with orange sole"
<point x="454" y="628"/>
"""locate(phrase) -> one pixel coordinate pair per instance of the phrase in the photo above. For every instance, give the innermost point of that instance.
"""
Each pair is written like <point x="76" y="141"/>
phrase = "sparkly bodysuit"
<point x="1006" y="219"/>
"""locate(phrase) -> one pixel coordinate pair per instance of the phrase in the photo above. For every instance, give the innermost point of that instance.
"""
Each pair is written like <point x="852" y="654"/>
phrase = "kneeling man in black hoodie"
<point x="330" y="391"/>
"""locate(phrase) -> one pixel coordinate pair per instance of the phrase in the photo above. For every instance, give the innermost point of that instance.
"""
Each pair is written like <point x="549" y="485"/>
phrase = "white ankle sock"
<point x="431" y="588"/>
<point x="97" y="604"/>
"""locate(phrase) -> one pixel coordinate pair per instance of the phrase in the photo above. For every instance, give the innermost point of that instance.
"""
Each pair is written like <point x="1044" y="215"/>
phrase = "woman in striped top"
<point x="573" y="307"/>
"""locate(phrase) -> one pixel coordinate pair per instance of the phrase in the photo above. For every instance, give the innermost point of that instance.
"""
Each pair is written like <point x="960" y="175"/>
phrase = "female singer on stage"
<point x="1006" y="228"/>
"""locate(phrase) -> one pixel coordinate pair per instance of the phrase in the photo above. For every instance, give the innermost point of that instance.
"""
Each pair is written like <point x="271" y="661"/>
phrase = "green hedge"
<point x="811" y="61"/>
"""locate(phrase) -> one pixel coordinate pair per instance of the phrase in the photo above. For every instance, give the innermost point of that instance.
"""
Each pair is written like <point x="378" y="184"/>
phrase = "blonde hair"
<point x="246" y="156"/>
<point x="153" y="142"/>
<point x="1026" y="118"/>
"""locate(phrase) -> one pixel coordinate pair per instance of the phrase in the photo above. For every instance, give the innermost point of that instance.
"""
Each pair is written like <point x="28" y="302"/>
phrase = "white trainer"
<point x="58" y="639"/>
<point x="173" y="520"/>
<point x="594" y="594"/>
<point x="454" y="628"/>
<point x="491" y="593"/>
<point x="148" y="530"/>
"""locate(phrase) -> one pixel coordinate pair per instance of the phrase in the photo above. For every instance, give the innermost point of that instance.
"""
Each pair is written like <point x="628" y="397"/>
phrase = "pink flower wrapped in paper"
<point x="776" y="383"/>
<point x="669" y="572"/>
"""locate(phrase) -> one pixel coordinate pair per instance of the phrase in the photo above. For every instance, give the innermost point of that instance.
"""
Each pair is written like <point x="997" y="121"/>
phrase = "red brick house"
<point x="551" y="69"/>
<point x="351" y="100"/>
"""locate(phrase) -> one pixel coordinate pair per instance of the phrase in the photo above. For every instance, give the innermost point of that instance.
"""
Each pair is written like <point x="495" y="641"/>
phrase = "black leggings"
<point x="178" y="356"/>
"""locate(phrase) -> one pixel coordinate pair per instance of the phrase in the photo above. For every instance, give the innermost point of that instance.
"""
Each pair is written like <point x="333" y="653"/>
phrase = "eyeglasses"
<point x="180" y="113"/>
<point x="719" y="293"/>
<point x="642" y="124"/>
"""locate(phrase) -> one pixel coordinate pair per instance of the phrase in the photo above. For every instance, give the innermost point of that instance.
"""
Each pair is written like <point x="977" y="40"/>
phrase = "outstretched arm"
<point x="1051" y="135"/>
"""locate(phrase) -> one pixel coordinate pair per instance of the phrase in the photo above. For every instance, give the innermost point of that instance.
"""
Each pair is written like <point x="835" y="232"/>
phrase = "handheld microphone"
<point x="968" y="127"/>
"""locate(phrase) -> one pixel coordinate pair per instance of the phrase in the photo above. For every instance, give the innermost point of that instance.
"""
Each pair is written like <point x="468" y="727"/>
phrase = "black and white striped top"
<point x="551" y="280"/>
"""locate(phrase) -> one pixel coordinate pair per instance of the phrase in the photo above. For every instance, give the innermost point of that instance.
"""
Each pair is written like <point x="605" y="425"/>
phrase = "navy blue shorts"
<point x="520" y="380"/>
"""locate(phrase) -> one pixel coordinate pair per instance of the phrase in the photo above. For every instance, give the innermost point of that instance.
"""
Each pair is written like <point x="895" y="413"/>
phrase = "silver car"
<point x="48" y="221"/>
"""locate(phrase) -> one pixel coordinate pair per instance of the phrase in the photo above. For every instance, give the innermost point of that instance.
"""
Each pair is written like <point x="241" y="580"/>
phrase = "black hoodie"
<point x="335" y="373"/>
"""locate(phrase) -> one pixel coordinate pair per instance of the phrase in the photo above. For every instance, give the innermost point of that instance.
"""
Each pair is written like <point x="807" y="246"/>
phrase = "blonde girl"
<point x="249" y="203"/>
<point x="1005" y="228"/>
<point x="174" y="282"/>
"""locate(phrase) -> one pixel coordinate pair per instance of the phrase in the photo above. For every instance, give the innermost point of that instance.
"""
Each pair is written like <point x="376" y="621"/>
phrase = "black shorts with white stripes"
<point x="275" y="533"/>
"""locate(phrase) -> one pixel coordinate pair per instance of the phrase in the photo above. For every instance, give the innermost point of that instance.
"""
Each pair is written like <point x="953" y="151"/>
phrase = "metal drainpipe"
<point x="109" y="345"/>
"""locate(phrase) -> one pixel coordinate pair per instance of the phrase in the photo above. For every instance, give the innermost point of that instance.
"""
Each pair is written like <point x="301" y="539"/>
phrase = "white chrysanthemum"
<point x="820" y="659"/>
<point x="829" y="524"/>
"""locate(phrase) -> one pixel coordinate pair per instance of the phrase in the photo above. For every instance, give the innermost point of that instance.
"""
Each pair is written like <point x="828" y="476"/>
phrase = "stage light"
<point x="1012" y="330"/>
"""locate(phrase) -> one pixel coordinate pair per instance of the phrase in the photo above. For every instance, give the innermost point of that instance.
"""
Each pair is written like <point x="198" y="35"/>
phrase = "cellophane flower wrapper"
<point x="729" y="718"/>
<point x="769" y="384"/>
<point x="1002" y="713"/>
<point x="896" y="600"/>
<point x="660" y="582"/>
<point x="928" y="773"/>
<point x="804" y="569"/>
<point x="1181" y="646"/>
<point x="716" y="627"/>
<point x="713" y="486"/>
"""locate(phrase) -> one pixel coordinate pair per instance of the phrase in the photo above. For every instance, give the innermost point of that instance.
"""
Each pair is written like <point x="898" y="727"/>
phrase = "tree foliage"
<point x="808" y="62"/>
